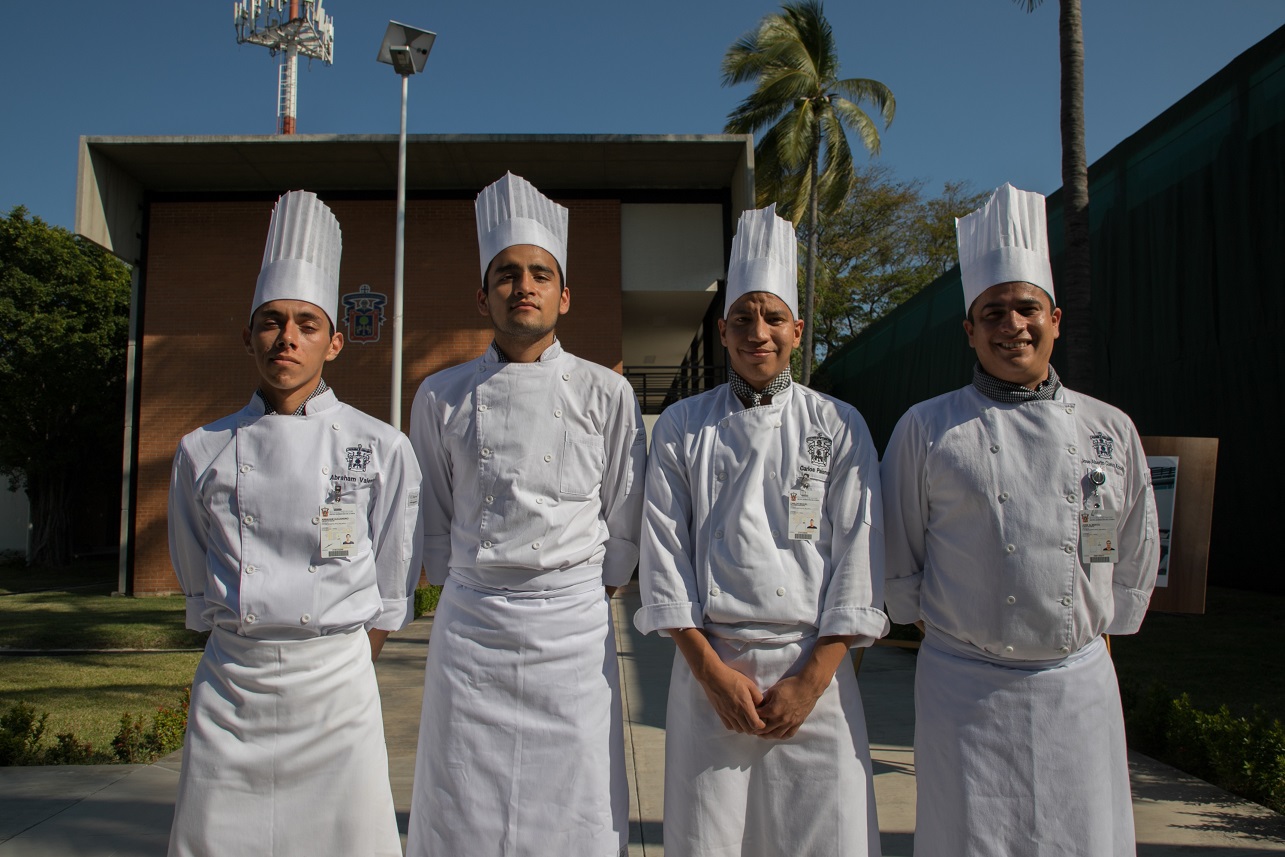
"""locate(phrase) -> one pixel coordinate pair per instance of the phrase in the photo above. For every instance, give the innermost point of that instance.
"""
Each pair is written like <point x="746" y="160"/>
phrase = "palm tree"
<point x="803" y="160"/>
<point x="1074" y="286"/>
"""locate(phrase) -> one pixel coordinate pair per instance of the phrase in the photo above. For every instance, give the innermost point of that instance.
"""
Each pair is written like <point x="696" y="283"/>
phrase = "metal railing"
<point x="658" y="387"/>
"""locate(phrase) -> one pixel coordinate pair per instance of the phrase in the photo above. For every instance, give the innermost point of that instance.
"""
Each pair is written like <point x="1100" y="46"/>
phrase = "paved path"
<point x="125" y="810"/>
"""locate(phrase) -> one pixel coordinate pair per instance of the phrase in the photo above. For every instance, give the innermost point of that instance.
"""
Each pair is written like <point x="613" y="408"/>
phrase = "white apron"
<point x="284" y="753"/>
<point x="521" y="743"/>
<point x="1019" y="757"/>
<point x="731" y="794"/>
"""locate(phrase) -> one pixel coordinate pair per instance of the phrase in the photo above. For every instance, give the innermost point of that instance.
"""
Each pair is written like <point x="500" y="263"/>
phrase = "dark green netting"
<point x="1188" y="238"/>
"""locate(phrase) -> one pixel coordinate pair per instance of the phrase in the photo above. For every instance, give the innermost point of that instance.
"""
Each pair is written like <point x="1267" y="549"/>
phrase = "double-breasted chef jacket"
<point x="1019" y="742"/>
<point x="532" y="502"/>
<point x="717" y="555"/>
<point x="285" y="747"/>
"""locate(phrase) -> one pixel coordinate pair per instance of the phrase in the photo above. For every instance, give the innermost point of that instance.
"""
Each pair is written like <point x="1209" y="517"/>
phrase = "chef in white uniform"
<point x="534" y="464"/>
<point x="293" y="531"/>
<point x="762" y="558"/>
<point x="1021" y="527"/>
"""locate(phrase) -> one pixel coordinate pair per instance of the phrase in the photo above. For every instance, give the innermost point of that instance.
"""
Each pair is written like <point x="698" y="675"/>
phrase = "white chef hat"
<point x="301" y="258"/>
<point x="765" y="258"/>
<point x="511" y="211"/>
<point x="1005" y="241"/>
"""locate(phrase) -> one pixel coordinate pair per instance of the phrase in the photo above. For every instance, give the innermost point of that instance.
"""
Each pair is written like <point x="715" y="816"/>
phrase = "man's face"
<point x="759" y="333"/>
<point x="524" y="294"/>
<point x="291" y="343"/>
<point x="1012" y="331"/>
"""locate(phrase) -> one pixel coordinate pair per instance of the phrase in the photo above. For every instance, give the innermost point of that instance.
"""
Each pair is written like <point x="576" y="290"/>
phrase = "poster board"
<point x="1188" y="554"/>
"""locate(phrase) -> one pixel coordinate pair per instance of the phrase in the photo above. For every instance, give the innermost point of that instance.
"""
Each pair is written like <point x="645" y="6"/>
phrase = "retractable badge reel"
<point x="1098" y="541"/>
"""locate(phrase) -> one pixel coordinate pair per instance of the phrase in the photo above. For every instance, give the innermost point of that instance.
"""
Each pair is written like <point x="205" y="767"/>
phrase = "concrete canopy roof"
<point x="117" y="173"/>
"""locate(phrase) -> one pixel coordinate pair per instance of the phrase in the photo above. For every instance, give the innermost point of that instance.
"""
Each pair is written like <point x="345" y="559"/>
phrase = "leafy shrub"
<point x="72" y="751"/>
<point x="426" y="599"/>
<point x="169" y="725"/>
<point x="20" y="734"/>
<point x="1244" y="755"/>
<point x="130" y="743"/>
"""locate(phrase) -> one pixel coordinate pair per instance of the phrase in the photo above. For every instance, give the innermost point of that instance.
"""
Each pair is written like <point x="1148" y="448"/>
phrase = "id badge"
<point x="805" y="512"/>
<point x="1098" y="541"/>
<point x="338" y="530"/>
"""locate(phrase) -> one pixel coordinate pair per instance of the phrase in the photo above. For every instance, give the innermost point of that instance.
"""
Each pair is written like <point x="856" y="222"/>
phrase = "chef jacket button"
<point x="1071" y="450"/>
<point x="1003" y="495"/>
<point x="557" y="412"/>
<point x="486" y="452"/>
<point x="1066" y="602"/>
<point x="994" y="447"/>
<point x="312" y="569"/>
<point x="720" y="476"/>
<point x="1070" y="498"/>
<point x="481" y="368"/>
<point x="714" y="592"/>
<point x="244" y="424"/>
<point x="776" y="534"/>
<point x="250" y="618"/>
<point x="1070" y="410"/>
<point x="535" y="546"/>
<point x="1068" y="548"/>
<point x="486" y="543"/>
<point x="1066" y="650"/>
<point x="490" y="499"/>
<point x="249" y="519"/>
<point x="1008" y="650"/>
<point x="548" y="458"/>
<point x="305" y="618"/>
<point x="539" y="501"/>
<point x="481" y="407"/>
<point x="772" y="475"/>
<point x="1010" y="548"/>
<point x="249" y="569"/>
<point x="335" y="426"/>
<point x="316" y="520"/>
<point x="566" y="376"/>
<point x="245" y="468"/>
<point x="780" y="590"/>
<point x="1012" y="599"/>
<point x="325" y="470"/>
<point x="718" y="534"/>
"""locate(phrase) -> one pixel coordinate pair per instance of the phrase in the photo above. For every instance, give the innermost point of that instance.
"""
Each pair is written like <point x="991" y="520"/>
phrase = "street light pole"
<point x="406" y="50"/>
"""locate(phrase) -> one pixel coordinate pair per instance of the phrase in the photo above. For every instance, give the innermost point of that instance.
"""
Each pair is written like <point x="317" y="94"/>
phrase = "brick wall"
<point x="202" y="261"/>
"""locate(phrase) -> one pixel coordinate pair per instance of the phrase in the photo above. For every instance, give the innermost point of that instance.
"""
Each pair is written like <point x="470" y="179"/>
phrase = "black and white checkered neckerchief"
<point x="1014" y="394"/>
<point x="303" y="407"/>
<point x="746" y="393"/>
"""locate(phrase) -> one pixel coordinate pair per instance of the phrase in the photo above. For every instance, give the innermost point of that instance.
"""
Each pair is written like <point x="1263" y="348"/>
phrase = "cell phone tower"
<point x="291" y="28"/>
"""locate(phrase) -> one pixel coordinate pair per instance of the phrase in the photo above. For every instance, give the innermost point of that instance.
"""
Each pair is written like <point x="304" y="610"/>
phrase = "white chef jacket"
<point x="983" y="502"/>
<point x="245" y="528"/>
<point x="529" y="468"/>
<point x="716" y="552"/>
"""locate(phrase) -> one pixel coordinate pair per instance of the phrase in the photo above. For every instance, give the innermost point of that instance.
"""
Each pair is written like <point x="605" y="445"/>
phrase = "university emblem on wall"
<point x="364" y="314"/>
<point x="819" y="449"/>
<point x="1102" y="444"/>
<point x="358" y="457"/>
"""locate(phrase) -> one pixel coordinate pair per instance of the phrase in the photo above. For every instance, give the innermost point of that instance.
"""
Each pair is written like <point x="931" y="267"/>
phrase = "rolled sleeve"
<point x="188" y="536"/>
<point x="905" y="507"/>
<point x="395" y="529"/>
<point x="437" y="502"/>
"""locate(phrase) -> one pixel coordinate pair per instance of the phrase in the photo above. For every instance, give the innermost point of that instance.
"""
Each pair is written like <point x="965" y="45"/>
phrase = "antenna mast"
<point x="291" y="28"/>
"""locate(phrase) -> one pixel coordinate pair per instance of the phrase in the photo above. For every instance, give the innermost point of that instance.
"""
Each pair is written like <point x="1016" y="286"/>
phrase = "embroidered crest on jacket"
<point x="819" y="449"/>
<point x="358" y="457"/>
<point x="1102" y="444"/>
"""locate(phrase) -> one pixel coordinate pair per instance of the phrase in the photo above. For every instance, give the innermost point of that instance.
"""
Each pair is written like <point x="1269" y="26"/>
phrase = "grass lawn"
<point x="1231" y="655"/>
<point x="87" y="693"/>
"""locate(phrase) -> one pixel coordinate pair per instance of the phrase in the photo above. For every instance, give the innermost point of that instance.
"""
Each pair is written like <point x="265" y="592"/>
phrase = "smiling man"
<point x="292" y="532"/>
<point x="762" y="559"/>
<point x="1021" y="527"/>
<point x="534" y="462"/>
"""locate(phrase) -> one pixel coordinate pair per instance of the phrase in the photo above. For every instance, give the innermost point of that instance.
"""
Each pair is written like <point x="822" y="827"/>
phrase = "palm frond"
<point x="858" y="120"/>
<point x="863" y="89"/>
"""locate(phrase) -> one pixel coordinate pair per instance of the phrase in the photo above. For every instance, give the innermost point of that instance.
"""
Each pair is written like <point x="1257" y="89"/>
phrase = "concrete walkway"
<point x="125" y="810"/>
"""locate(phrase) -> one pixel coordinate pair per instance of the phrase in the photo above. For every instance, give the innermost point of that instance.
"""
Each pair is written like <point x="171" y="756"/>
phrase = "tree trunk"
<point x="1074" y="289"/>
<point x="809" y="288"/>
<point x="50" y="522"/>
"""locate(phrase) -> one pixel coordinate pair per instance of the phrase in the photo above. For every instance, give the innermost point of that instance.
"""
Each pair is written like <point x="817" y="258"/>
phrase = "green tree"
<point x="1073" y="288"/>
<point x="881" y="248"/>
<point x="64" y="319"/>
<point x="803" y="161"/>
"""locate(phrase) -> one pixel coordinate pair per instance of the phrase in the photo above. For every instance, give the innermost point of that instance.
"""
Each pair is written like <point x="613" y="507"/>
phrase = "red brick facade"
<point x="202" y="261"/>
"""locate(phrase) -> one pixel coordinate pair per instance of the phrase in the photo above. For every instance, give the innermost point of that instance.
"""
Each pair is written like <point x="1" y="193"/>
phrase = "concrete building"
<point x="651" y="221"/>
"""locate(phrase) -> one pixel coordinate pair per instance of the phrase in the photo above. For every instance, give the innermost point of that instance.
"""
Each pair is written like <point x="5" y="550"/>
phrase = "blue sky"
<point x="975" y="80"/>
